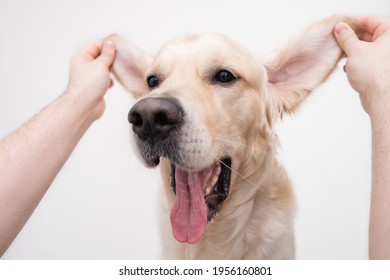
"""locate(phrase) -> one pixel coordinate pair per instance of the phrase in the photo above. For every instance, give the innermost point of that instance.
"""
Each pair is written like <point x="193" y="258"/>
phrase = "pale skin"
<point x="32" y="156"/>
<point x="368" y="72"/>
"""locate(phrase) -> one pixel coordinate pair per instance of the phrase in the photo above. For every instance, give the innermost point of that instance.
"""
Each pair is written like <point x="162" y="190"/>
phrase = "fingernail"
<point x="340" y="28"/>
<point x="109" y="45"/>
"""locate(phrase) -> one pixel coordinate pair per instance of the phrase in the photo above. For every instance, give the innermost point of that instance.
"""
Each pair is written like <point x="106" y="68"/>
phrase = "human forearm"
<point x="31" y="157"/>
<point x="379" y="244"/>
<point x="368" y="73"/>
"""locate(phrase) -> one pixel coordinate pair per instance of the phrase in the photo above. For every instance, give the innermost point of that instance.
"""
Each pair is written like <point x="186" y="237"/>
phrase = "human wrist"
<point x="376" y="102"/>
<point x="380" y="121"/>
<point x="87" y="108"/>
<point x="380" y="125"/>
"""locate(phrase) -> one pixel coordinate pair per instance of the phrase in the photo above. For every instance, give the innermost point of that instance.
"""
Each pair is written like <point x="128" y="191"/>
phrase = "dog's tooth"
<point x="208" y="190"/>
<point x="214" y="180"/>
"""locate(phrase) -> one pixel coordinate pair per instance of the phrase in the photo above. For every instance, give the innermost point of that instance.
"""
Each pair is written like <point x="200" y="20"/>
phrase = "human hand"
<point x="89" y="76"/>
<point x="367" y="66"/>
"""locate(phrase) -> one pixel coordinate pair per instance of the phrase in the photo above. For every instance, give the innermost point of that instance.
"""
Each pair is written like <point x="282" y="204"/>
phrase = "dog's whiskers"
<point x="235" y="172"/>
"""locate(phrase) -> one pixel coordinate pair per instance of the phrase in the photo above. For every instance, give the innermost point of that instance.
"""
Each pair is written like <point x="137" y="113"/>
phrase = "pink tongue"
<point x="189" y="213"/>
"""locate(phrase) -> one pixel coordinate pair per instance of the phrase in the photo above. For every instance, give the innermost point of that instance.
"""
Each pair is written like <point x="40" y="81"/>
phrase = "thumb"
<point x="345" y="37"/>
<point x="107" y="55"/>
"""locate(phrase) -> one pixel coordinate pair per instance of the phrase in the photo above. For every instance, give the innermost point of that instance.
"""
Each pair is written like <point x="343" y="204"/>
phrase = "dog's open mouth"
<point x="199" y="196"/>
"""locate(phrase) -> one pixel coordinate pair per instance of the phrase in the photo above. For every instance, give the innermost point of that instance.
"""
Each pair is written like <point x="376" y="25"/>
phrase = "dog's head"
<point x="205" y="103"/>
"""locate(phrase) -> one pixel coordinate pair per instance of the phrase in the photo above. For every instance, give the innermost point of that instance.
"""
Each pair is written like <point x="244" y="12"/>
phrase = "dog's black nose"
<point x="155" y="118"/>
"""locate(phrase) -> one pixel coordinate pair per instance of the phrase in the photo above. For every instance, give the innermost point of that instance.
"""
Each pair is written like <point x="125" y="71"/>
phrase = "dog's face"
<point x="205" y="104"/>
<point x="203" y="95"/>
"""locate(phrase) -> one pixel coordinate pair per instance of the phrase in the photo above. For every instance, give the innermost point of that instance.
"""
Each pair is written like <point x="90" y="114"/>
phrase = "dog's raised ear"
<point x="303" y="63"/>
<point x="130" y="65"/>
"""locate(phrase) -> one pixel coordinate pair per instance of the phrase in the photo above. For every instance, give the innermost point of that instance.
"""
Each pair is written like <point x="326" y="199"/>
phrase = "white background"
<point x="104" y="203"/>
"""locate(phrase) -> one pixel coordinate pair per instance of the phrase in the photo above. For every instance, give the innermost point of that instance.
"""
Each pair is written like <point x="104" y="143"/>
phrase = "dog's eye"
<point x="224" y="76"/>
<point x="152" y="81"/>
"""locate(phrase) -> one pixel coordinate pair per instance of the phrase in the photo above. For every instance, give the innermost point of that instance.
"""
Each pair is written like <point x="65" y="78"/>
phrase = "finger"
<point x="369" y="23"/>
<point x="364" y="36"/>
<point x="373" y="26"/>
<point x="111" y="84"/>
<point x="90" y="53"/>
<point x="345" y="37"/>
<point x="107" y="55"/>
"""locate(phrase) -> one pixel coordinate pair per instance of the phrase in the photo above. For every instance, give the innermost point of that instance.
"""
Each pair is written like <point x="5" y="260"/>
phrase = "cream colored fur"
<point x="257" y="219"/>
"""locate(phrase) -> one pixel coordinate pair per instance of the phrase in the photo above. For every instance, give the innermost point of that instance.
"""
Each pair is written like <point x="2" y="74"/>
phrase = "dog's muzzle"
<point x="158" y="124"/>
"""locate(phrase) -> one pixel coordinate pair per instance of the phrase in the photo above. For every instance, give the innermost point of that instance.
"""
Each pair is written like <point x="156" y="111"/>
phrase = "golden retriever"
<point x="205" y="112"/>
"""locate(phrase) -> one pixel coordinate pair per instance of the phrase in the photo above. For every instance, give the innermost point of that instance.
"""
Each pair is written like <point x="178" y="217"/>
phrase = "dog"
<point x="205" y="113"/>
